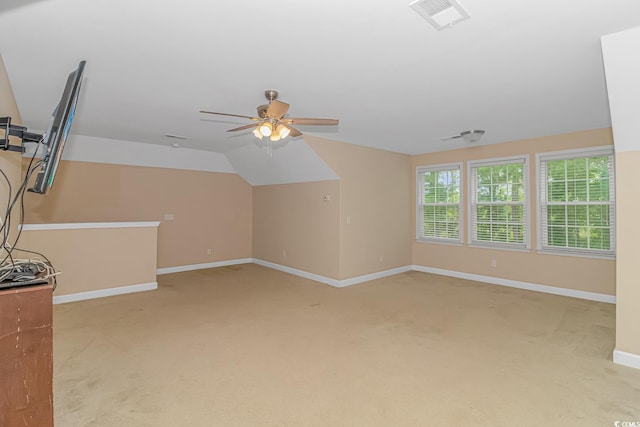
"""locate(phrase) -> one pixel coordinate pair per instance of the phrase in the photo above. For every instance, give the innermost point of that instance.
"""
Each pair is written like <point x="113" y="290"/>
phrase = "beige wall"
<point x="584" y="274"/>
<point x="211" y="210"/>
<point x="294" y="226"/>
<point x="375" y="206"/>
<point x="123" y="256"/>
<point x="10" y="162"/>
<point x="628" y="281"/>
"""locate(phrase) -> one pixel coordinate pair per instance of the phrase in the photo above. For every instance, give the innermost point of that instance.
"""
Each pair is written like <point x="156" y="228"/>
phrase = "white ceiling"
<point x="518" y="69"/>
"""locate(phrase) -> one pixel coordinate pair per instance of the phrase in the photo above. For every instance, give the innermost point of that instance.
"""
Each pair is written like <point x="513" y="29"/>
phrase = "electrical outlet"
<point x="348" y="219"/>
<point x="381" y="258"/>
<point x="494" y="263"/>
<point x="209" y="251"/>
<point x="284" y="253"/>
<point x="168" y="217"/>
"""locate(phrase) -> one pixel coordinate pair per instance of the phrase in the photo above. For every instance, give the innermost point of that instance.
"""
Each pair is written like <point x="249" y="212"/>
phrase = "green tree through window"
<point x="439" y="210"/>
<point x="498" y="203"/>
<point x="577" y="207"/>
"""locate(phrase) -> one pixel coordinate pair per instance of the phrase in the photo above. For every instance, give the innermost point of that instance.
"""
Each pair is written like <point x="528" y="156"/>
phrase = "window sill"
<point x="441" y="242"/>
<point x="499" y="247"/>
<point x="576" y="254"/>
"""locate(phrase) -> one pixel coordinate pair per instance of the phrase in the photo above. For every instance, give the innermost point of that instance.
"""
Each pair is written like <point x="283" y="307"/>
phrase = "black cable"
<point x="6" y="226"/>
<point x="4" y="222"/>
<point x="18" y="196"/>
<point x="21" y="192"/>
<point x="43" y="257"/>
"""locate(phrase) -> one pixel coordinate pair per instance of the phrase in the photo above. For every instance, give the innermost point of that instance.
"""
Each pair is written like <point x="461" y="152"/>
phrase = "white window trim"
<point x="540" y="193"/>
<point x="419" y="203"/>
<point x="526" y="245"/>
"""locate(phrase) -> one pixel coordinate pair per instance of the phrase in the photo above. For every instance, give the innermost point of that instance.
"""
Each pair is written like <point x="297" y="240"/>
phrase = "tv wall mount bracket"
<point x="17" y="131"/>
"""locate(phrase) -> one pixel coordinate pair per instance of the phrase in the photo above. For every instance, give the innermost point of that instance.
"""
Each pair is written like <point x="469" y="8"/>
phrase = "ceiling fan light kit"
<point x="283" y="131"/>
<point x="266" y="129"/>
<point x="470" y="136"/>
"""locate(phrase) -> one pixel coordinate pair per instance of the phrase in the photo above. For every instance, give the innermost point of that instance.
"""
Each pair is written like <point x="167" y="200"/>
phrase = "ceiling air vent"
<point x="440" y="13"/>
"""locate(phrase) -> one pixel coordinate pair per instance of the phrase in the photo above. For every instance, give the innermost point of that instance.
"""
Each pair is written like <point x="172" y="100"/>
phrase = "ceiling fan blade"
<point x="311" y="121"/>
<point x="232" y="115"/>
<point x="450" y="138"/>
<point x="252" y="125"/>
<point x="277" y="109"/>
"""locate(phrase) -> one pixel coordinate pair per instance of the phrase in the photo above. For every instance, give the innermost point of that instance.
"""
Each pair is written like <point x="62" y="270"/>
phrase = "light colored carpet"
<point x="250" y="346"/>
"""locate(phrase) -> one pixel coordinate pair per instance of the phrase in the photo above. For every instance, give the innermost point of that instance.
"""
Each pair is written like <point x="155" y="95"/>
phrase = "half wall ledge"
<point x="96" y="259"/>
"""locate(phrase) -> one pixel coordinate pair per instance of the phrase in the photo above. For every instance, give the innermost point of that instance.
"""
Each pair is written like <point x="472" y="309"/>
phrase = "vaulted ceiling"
<point x="517" y="69"/>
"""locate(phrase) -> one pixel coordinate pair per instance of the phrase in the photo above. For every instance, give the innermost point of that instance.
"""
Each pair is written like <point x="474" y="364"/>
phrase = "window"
<point x="577" y="202"/>
<point x="498" y="206"/>
<point x="439" y="208"/>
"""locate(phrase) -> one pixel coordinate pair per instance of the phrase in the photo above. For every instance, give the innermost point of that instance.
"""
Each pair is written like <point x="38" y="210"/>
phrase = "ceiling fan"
<point x="467" y="136"/>
<point x="272" y="121"/>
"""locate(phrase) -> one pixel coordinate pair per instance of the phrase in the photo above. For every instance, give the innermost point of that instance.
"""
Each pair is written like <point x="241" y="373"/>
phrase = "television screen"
<point x="58" y="131"/>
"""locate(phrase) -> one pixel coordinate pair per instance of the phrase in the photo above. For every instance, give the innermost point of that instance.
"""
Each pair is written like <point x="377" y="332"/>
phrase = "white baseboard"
<point x="520" y="285"/>
<point x="627" y="359"/>
<point x="329" y="281"/>
<point x="100" y="293"/>
<point x="296" y="272"/>
<point x="373" y="276"/>
<point x="180" y="268"/>
<point x="479" y="278"/>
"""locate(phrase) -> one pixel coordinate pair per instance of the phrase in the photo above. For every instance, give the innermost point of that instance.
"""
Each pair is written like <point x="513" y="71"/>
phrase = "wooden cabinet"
<point x="26" y="362"/>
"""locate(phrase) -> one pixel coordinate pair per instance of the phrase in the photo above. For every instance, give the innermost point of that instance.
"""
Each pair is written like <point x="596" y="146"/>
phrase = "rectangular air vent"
<point x="440" y="13"/>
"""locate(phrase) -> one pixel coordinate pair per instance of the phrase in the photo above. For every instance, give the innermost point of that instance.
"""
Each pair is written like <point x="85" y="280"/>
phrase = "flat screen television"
<point x="58" y="131"/>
